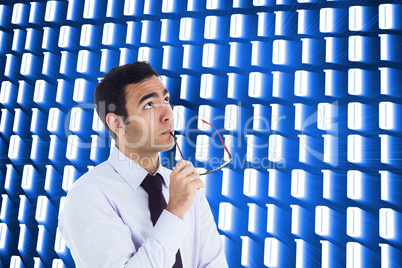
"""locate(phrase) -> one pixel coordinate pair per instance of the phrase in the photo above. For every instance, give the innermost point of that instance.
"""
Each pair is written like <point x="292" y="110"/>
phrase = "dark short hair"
<point x="110" y="93"/>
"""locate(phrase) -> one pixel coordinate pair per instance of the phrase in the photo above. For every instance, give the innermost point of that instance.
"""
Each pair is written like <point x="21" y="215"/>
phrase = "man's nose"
<point x="166" y="113"/>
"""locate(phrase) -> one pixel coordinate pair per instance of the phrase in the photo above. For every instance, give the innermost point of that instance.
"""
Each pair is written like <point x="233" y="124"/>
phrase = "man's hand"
<point x="184" y="183"/>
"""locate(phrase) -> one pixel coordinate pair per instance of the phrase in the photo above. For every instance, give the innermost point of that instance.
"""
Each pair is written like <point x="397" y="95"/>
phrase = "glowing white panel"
<point x="353" y="255"/>
<point x="26" y="63"/>
<point x="231" y="118"/>
<point x="385" y="256"/>
<point x="387" y="223"/>
<point x="236" y="25"/>
<point x="79" y="89"/>
<point x="178" y="113"/>
<point x="3" y="210"/>
<point x="324" y="254"/>
<point x="225" y="216"/>
<point x="21" y="238"/>
<point x="86" y="35"/>
<point x="354" y="221"/>
<point x="385" y="74"/>
<point x="327" y="20"/>
<point x="271" y="248"/>
<point x="27" y="175"/>
<point x="329" y="146"/>
<point x="279" y="21"/>
<point x="300" y="253"/>
<point x="5" y="91"/>
<point x="45" y="38"/>
<point x="250" y="182"/>
<point x="258" y="118"/>
<point x="57" y="263"/>
<point x="272" y="182"/>
<point x="295" y="219"/>
<point x="51" y="7"/>
<point x="72" y="147"/>
<point x="105" y="55"/>
<point x="34" y="148"/>
<point x="53" y="119"/>
<point x="385" y="185"/>
<point x="145" y="30"/>
<point x="3" y="119"/>
<point x="16" y="262"/>
<point x="234" y="52"/>
<point x="70" y="9"/>
<point x="275" y="148"/>
<point x="63" y="62"/>
<point x="260" y="2"/>
<point x="302" y="148"/>
<point x="386" y="115"/>
<point x="275" y="118"/>
<point x="64" y="36"/>
<point x="164" y="32"/>
<point x="186" y="60"/>
<point x="42" y="209"/>
<point x="21" y="210"/>
<point x="28" y="40"/>
<point x="202" y="148"/>
<point x="252" y="208"/>
<point x="298" y="183"/>
<point x="48" y="177"/>
<point x="301" y="24"/>
<point x="69" y="176"/>
<point x="212" y="4"/>
<point x="129" y="7"/>
<point x="167" y="6"/>
<point x="280" y="48"/>
<point x="82" y="61"/>
<point x="355" y="148"/>
<point x="7" y="182"/>
<point x="302" y="79"/>
<point x="147" y="6"/>
<point x="245" y="244"/>
<point x="17" y="119"/>
<point x="8" y="64"/>
<point x="41" y="234"/>
<point x="206" y="86"/>
<point x="208" y="55"/>
<point x="94" y="146"/>
<point x="354" y="185"/>
<point x="355" y="81"/>
<point x="329" y="49"/>
<point x="17" y="13"/>
<point x="108" y="33"/>
<point x="39" y="93"/>
<point x="306" y="48"/>
<point x="210" y="27"/>
<point x="356" y="18"/>
<point x="322" y="220"/>
<point x="16" y="37"/>
<point x="185" y="29"/>
<point x="144" y="53"/>
<point x="89" y="9"/>
<point x="270" y="217"/>
<point x="52" y="146"/>
<point x="298" y="116"/>
<point x="46" y="58"/>
<point x="355" y="114"/>
<point x="355" y="48"/>
<point x="14" y="147"/>
<point x="387" y="16"/>
<point x="75" y="119"/>
<point x="204" y="113"/>
<point x="59" y="243"/>
<point x="255" y="84"/>
<point x="231" y="85"/>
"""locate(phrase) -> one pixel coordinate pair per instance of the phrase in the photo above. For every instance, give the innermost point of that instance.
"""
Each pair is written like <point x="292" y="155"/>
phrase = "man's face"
<point x="150" y="117"/>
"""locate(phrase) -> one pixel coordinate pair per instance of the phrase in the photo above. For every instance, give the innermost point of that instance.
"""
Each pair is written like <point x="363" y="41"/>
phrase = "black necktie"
<point x="157" y="203"/>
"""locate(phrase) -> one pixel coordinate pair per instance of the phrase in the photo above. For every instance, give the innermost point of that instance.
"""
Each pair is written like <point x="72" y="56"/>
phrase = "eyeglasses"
<point x="224" y="146"/>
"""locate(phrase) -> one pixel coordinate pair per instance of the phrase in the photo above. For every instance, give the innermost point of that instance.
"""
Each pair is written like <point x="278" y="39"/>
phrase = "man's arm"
<point x="98" y="237"/>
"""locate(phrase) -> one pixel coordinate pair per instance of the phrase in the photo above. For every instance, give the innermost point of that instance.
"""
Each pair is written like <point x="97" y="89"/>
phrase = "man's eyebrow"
<point x="151" y="95"/>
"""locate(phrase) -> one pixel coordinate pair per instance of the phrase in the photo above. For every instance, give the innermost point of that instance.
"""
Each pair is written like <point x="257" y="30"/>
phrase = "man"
<point x="108" y="219"/>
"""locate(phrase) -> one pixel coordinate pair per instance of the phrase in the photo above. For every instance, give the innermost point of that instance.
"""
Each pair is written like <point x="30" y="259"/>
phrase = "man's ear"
<point x="115" y="123"/>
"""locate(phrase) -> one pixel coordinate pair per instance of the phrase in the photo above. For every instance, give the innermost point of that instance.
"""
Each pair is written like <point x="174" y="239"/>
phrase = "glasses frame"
<point x="224" y="146"/>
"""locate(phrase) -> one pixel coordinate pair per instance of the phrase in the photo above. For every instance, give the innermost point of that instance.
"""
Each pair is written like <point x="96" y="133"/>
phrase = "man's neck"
<point x="148" y="161"/>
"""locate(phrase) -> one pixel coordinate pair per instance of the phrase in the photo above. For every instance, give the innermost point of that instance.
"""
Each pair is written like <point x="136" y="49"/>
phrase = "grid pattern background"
<point x="306" y="93"/>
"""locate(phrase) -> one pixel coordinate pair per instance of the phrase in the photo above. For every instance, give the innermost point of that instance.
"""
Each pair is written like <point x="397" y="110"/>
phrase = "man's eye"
<point x="167" y="100"/>
<point x="148" y="105"/>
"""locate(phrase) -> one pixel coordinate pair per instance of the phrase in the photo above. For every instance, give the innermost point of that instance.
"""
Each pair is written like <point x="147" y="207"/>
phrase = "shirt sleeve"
<point x="97" y="236"/>
<point x="212" y="251"/>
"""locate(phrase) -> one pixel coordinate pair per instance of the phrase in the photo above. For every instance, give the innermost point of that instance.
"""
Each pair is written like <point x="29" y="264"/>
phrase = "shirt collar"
<point x="131" y="172"/>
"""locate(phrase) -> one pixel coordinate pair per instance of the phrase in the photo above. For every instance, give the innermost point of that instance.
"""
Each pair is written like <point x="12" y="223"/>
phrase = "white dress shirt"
<point x="106" y="222"/>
